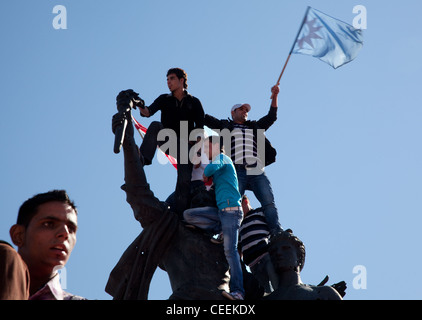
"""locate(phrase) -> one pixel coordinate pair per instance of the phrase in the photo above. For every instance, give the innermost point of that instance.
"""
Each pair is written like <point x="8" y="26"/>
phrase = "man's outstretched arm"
<point x="267" y="121"/>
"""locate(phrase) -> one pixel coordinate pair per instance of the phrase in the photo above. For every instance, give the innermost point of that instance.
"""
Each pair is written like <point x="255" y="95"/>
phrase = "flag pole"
<point x="282" y="71"/>
<point x="293" y="46"/>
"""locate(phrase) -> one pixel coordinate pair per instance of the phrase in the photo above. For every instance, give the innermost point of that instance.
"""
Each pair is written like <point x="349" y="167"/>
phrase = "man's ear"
<point x="17" y="234"/>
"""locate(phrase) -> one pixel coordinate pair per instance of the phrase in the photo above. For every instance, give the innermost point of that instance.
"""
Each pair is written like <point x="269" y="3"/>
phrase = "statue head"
<point x="287" y="252"/>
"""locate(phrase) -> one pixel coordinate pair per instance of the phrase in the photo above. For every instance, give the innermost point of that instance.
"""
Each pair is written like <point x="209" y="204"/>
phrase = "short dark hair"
<point x="29" y="208"/>
<point x="180" y="73"/>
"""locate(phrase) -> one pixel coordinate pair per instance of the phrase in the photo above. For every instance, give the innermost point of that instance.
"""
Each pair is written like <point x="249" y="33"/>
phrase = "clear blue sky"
<point x="348" y="174"/>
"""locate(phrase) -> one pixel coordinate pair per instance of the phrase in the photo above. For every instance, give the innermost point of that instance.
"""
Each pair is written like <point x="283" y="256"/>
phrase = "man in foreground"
<point x="45" y="234"/>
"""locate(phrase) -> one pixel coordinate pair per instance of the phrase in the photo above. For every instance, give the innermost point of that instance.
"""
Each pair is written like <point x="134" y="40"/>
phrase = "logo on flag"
<point x="328" y="39"/>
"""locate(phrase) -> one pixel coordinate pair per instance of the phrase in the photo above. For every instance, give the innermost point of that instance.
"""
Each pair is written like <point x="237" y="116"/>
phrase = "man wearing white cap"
<point x="245" y="153"/>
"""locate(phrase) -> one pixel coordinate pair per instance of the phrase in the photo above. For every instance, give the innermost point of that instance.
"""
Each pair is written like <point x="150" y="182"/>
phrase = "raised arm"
<point x="274" y="100"/>
<point x="146" y="207"/>
<point x="266" y="121"/>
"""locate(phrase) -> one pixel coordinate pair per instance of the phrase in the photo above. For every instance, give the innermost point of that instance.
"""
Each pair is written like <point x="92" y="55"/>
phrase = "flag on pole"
<point x="328" y="39"/>
<point x="142" y="131"/>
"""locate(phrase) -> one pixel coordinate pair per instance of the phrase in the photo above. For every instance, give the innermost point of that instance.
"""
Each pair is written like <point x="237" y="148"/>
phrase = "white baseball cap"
<point x="241" y="105"/>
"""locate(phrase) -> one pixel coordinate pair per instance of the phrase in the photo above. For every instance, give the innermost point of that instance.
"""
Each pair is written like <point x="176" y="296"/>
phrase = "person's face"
<point x="240" y="115"/>
<point x="174" y="83"/>
<point x="284" y="255"/>
<point x="49" y="238"/>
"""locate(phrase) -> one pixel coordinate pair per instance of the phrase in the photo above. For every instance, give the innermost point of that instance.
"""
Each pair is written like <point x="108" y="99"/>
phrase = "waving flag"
<point x="328" y="39"/>
<point x="142" y="131"/>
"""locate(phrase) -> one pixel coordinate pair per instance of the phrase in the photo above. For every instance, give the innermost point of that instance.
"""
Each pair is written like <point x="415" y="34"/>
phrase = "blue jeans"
<point x="230" y="224"/>
<point x="205" y="218"/>
<point x="261" y="187"/>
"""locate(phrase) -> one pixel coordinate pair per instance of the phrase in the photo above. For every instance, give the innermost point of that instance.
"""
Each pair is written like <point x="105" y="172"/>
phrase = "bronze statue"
<point x="197" y="268"/>
<point x="288" y="256"/>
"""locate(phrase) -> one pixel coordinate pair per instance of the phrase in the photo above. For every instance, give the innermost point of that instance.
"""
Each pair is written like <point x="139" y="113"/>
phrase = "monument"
<point x="197" y="268"/>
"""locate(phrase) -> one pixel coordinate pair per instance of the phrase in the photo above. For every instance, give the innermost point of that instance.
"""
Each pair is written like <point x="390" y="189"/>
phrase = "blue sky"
<point x="348" y="174"/>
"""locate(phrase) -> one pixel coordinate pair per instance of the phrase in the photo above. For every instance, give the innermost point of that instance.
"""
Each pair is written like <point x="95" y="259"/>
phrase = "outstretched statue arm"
<point x="146" y="207"/>
<point x="340" y="287"/>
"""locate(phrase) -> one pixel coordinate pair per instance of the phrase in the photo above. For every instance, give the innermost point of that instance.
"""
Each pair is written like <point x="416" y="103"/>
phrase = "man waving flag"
<point x="328" y="39"/>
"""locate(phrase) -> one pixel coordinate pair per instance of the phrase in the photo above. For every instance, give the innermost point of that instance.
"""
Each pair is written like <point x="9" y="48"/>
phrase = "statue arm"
<point x="146" y="207"/>
<point x="328" y="293"/>
<point x="340" y="287"/>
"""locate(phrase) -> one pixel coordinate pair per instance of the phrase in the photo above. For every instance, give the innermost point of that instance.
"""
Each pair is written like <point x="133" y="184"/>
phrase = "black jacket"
<point x="173" y="111"/>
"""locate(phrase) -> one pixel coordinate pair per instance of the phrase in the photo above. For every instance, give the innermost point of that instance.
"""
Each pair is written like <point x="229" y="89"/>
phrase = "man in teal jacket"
<point x="230" y="211"/>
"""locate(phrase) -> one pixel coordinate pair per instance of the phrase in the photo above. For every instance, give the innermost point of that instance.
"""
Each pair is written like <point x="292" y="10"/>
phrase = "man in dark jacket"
<point x="182" y="113"/>
<point x="251" y="152"/>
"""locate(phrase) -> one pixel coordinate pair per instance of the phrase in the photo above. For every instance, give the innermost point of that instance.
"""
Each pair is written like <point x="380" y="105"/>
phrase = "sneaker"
<point x="219" y="239"/>
<point x="233" y="295"/>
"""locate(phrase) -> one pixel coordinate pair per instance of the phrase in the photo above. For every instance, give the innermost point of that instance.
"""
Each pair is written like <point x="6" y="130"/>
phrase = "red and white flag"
<point x="142" y="130"/>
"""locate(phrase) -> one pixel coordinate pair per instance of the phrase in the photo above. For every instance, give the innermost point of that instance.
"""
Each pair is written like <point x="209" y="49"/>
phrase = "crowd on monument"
<point x="232" y="174"/>
<point x="209" y="202"/>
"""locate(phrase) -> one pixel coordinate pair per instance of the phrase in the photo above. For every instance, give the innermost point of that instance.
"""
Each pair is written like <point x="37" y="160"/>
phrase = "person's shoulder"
<point x="8" y="253"/>
<point x="225" y="158"/>
<point x="194" y="99"/>
<point x="160" y="100"/>
<point x="6" y="248"/>
<point x="329" y="293"/>
<point x="164" y="96"/>
<point x="324" y="292"/>
<point x="5" y="243"/>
